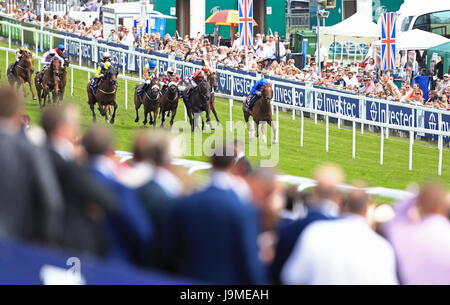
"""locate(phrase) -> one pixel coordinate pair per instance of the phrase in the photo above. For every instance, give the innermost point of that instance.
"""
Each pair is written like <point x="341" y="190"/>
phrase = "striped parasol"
<point x="225" y="17"/>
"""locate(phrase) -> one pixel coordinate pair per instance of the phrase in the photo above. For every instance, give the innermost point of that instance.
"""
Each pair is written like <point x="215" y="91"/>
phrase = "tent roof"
<point x="357" y="25"/>
<point x="417" y="40"/>
<point x="442" y="48"/>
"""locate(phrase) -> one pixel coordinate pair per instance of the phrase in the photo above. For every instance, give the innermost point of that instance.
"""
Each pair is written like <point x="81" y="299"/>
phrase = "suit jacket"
<point x="287" y="238"/>
<point x="82" y="232"/>
<point x="129" y="230"/>
<point x="31" y="202"/>
<point x="158" y="206"/>
<point x="214" y="238"/>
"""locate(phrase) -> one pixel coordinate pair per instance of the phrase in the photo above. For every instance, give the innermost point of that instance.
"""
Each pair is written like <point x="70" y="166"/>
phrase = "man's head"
<point x="223" y="157"/>
<point x="328" y="178"/>
<point x="356" y="202"/>
<point x="61" y="121"/>
<point x="432" y="200"/>
<point x="154" y="147"/>
<point x="98" y="141"/>
<point x="11" y="105"/>
<point x="446" y="77"/>
<point x="263" y="183"/>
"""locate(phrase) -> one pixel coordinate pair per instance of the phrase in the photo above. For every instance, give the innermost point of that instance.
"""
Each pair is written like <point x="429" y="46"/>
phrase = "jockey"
<point x="150" y="71"/>
<point x="166" y="77"/>
<point x="47" y="58"/>
<point x="255" y="93"/>
<point x="193" y="82"/>
<point x="22" y="50"/>
<point x="103" y="67"/>
<point x="60" y="49"/>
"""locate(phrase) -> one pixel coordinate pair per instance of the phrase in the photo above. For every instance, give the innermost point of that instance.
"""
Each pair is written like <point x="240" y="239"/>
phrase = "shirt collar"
<point x="63" y="147"/>
<point x="168" y="181"/>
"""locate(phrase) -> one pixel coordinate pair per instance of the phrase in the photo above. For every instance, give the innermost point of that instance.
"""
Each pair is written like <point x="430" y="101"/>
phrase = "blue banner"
<point x="376" y="111"/>
<point x="401" y="116"/>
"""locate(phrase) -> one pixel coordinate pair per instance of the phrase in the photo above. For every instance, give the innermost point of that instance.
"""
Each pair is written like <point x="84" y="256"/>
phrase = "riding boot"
<point x="250" y="102"/>
<point x="141" y="92"/>
<point x="94" y="85"/>
<point x="13" y="69"/>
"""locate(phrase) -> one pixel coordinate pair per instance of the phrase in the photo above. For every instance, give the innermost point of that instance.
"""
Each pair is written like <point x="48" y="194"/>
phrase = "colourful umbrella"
<point x="225" y="17"/>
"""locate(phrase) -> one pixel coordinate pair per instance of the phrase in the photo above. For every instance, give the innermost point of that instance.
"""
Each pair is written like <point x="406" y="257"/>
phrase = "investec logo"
<point x="373" y="111"/>
<point x="225" y="82"/>
<point x="432" y="122"/>
<point x="319" y="100"/>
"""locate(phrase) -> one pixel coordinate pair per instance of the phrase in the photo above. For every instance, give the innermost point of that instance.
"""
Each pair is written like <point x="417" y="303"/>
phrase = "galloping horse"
<point x="199" y="102"/>
<point x="169" y="101"/>
<point x="22" y="73"/>
<point x="63" y="77"/>
<point x="214" y="82"/>
<point x="150" y="99"/>
<point x="261" y="112"/>
<point x="105" y="95"/>
<point x="49" y="83"/>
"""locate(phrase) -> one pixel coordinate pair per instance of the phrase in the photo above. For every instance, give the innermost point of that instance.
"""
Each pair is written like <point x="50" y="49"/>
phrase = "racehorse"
<point x="150" y="99"/>
<point x="199" y="102"/>
<point x="105" y="95"/>
<point x="22" y="73"/>
<point x="261" y="112"/>
<point x="169" y="101"/>
<point x="214" y="82"/>
<point x="63" y="77"/>
<point x="49" y="83"/>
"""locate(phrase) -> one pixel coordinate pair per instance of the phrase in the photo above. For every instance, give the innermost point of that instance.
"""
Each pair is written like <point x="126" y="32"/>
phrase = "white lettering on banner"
<point x="373" y="111"/>
<point x="348" y="108"/>
<point x="401" y="118"/>
<point x="331" y="104"/>
<point x="299" y="97"/>
<point x="319" y="100"/>
<point x="283" y="95"/>
<point x="242" y="85"/>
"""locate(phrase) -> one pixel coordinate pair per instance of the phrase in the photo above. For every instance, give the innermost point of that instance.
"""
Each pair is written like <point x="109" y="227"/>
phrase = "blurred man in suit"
<point x="325" y="206"/>
<point x="130" y="231"/>
<point x="242" y="166"/>
<point x="85" y="200"/>
<point x="345" y="251"/>
<point x="214" y="232"/>
<point x="30" y="198"/>
<point x="158" y="194"/>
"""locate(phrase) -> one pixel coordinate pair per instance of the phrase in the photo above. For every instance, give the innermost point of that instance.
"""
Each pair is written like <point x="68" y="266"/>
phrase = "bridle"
<point x="112" y="81"/>
<point x="205" y="97"/>
<point x="154" y="86"/>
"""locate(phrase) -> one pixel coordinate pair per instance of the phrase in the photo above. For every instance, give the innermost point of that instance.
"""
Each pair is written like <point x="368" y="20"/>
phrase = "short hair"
<point x="223" y="157"/>
<point x="154" y="146"/>
<point x="55" y="115"/>
<point x="97" y="140"/>
<point x="10" y="101"/>
<point x="356" y="201"/>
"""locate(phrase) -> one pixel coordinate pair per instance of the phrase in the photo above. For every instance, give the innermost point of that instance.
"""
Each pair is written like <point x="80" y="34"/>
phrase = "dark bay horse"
<point x="49" y="83"/>
<point x="150" y="99"/>
<point x="63" y="77"/>
<point x="261" y="112"/>
<point x="199" y="102"/>
<point x="105" y="95"/>
<point x="22" y="73"/>
<point x="214" y="82"/>
<point x="169" y="101"/>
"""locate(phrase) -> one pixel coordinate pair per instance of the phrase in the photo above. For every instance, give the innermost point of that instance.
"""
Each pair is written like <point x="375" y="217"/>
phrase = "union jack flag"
<point x="245" y="22"/>
<point x="388" y="36"/>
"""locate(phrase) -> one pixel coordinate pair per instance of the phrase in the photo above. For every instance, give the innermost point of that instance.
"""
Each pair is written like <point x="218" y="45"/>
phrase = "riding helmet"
<point x="152" y="63"/>
<point x="61" y="47"/>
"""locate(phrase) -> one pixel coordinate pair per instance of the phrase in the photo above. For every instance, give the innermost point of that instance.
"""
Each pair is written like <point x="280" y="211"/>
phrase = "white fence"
<point x="299" y="97"/>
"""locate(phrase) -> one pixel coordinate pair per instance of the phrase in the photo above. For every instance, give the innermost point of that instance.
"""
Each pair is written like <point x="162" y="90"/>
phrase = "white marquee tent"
<point x="416" y="40"/>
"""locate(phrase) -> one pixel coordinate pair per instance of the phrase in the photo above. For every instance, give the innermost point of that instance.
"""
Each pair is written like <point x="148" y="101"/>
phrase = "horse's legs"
<point x="256" y="127"/>
<point x="114" y="114"/>
<point x="196" y="118"/>
<point x="174" y="112"/>
<point x="215" y="114"/>
<point x="145" y="116"/>
<point x="163" y="117"/>
<point x="263" y="132"/>
<point x="155" y="115"/>
<point x="93" y="111"/>
<point x="274" y="131"/>
<point x="208" y="119"/>
<point x="137" y="113"/>
<point x="32" y="90"/>
<point x="150" y="122"/>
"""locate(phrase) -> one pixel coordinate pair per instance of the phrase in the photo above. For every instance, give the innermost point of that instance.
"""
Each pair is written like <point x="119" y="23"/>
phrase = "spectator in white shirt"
<point x="128" y="38"/>
<point x="342" y="251"/>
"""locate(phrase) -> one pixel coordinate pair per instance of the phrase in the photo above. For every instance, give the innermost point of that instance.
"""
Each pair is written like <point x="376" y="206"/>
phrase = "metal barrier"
<point x="292" y="95"/>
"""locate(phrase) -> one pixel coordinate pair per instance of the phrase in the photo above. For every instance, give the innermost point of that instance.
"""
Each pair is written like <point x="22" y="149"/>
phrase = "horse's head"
<point x="213" y="81"/>
<point x="205" y="89"/>
<point x="65" y="56"/>
<point x="267" y="92"/>
<point x="173" y="83"/>
<point x="111" y="75"/>
<point x="27" y="59"/>
<point x="55" y="66"/>
<point x="154" y="86"/>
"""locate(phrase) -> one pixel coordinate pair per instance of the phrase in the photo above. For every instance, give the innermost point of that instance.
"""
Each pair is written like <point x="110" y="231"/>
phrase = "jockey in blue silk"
<point x="255" y="93"/>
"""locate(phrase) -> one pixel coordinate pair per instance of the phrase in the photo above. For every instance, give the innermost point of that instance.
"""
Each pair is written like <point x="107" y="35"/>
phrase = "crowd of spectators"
<point x="267" y="56"/>
<point x="67" y="190"/>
